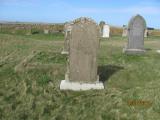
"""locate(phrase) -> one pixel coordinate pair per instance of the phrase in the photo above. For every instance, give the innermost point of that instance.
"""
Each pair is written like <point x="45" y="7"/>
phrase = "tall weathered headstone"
<point x="67" y="37"/>
<point x="83" y="49"/>
<point x="106" y="31"/>
<point x="125" y="31"/>
<point x="136" y="29"/>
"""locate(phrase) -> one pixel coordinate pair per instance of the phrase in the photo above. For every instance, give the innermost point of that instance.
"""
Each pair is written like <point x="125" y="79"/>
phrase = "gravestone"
<point x="136" y="29"/>
<point x="101" y="24"/>
<point x="146" y="33"/>
<point x="46" y="31"/>
<point x="67" y="37"/>
<point x="82" y="65"/>
<point x="106" y="31"/>
<point x="125" y="31"/>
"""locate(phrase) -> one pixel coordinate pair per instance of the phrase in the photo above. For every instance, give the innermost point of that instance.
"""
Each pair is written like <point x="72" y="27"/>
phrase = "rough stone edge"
<point x="75" y="86"/>
<point x="86" y="20"/>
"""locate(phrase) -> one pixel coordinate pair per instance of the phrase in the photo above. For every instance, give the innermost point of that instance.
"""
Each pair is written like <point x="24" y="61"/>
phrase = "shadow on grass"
<point x="148" y="49"/>
<point x="106" y="71"/>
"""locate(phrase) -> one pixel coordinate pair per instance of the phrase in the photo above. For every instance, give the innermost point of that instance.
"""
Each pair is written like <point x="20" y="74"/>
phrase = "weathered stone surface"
<point x="106" y="31"/>
<point x="84" y="44"/>
<point x="136" y="29"/>
<point x="83" y="49"/>
<point x="67" y="31"/>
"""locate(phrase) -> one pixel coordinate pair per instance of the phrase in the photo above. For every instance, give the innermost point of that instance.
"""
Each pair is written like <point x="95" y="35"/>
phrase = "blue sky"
<point x="114" y="12"/>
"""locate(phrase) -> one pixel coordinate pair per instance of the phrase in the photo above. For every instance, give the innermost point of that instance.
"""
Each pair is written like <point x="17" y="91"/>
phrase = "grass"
<point x="44" y="37"/>
<point x="55" y="36"/>
<point x="32" y="92"/>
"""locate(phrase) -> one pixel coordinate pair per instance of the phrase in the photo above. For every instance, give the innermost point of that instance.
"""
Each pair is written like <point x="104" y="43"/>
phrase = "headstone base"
<point x="75" y="86"/>
<point x="158" y="51"/>
<point x="105" y="36"/>
<point x="64" y="52"/>
<point x="133" y="51"/>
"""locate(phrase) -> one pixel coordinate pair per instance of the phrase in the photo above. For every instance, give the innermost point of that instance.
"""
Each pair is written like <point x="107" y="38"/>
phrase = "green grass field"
<point x="31" y="68"/>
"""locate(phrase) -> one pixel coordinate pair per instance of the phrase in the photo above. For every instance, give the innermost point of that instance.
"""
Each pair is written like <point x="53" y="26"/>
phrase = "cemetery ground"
<point x="32" y="67"/>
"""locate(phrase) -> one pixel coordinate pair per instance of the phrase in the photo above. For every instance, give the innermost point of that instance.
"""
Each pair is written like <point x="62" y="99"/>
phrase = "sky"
<point x="113" y="12"/>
